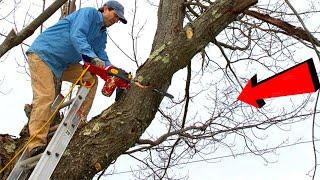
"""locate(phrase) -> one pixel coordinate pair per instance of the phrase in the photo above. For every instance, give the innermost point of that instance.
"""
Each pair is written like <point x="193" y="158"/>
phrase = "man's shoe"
<point x="37" y="150"/>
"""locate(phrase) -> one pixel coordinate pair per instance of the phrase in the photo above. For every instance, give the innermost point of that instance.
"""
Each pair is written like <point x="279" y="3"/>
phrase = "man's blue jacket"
<point x="80" y="34"/>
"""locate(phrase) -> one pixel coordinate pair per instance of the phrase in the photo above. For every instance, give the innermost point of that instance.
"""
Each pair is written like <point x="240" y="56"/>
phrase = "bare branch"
<point x="13" y="39"/>
<point x="288" y="28"/>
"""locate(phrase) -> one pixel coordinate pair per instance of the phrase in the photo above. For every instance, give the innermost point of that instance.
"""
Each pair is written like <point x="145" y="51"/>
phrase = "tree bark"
<point x="68" y="8"/>
<point x="287" y="28"/>
<point x="116" y="129"/>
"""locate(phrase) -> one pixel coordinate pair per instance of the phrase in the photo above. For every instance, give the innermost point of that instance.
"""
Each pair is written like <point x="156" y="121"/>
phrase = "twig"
<point x="313" y="137"/>
<point x="313" y="41"/>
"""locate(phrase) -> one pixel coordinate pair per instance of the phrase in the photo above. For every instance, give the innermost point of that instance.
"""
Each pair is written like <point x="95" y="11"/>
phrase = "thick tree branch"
<point x="170" y="21"/>
<point x="289" y="29"/>
<point x="68" y="8"/>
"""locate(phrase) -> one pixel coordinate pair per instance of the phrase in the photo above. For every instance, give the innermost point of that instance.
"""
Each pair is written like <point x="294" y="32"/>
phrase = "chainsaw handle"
<point x="104" y="73"/>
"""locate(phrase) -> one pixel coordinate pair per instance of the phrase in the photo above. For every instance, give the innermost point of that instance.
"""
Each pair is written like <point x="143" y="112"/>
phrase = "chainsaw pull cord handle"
<point x="86" y="83"/>
<point x="48" y="122"/>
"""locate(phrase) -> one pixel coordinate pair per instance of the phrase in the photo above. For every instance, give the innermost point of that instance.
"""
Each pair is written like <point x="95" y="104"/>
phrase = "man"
<point x="55" y="55"/>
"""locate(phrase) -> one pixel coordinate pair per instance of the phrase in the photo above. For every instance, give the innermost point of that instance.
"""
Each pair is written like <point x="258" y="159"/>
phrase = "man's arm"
<point x="79" y="31"/>
<point x="100" y="46"/>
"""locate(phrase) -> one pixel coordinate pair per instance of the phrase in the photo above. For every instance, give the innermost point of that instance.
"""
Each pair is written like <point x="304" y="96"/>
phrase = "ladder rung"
<point x="67" y="103"/>
<point x="42" y="165"/>
<point x="30" y="161"/>
<point x="50" y="134"/>
<point x="54" y="128"/>
<point x="30" y="166"/>
<point x="57" y="101"/>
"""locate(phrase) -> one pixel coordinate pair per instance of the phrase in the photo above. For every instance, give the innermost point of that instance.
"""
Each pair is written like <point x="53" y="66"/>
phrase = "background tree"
<point x="217" y="44"/>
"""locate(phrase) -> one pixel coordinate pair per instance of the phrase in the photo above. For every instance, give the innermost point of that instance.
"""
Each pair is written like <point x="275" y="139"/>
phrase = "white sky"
<point x="292" y="162"/>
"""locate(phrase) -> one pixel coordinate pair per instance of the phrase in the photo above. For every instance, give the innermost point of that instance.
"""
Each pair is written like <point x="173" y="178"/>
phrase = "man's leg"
<point x="43" y="87"/>
<point x="71" y="74"/>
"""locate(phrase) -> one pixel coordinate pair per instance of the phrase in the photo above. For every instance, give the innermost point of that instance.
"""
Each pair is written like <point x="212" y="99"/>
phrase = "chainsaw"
<point x="116" y="78"/>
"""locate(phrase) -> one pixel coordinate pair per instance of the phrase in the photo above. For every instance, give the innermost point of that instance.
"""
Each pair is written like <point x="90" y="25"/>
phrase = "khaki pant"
<point x="43" y="87"/>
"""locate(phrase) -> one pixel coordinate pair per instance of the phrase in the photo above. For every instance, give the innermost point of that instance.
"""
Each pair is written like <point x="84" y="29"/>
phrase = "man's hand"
<point x="98" y="62"/>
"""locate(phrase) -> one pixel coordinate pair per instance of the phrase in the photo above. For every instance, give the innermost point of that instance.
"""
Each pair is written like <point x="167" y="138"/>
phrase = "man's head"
<point x="112" y="12"/>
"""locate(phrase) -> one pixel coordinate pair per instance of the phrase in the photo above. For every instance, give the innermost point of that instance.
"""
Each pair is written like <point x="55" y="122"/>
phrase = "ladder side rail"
<point x="17" y="173"/>
<point x="61" y="139"/>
